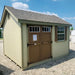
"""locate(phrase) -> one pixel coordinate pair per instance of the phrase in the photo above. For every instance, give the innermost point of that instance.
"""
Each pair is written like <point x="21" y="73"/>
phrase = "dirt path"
<point x="63" y="66"/>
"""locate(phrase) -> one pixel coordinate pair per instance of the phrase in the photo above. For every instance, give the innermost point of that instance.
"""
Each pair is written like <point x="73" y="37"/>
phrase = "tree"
<point x="71" y="28"/>
<point x="0" y="33"/>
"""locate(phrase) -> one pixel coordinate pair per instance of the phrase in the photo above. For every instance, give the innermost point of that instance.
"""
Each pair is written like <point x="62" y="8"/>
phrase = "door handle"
<point x="30" y="44"/>
<point x="38" y="43"/>
<point x="35" y="43"/>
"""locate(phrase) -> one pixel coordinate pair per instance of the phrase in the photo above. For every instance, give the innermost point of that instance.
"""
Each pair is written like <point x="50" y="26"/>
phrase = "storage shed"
<point x="72" y="36"/>
<point x="31" y="38"/>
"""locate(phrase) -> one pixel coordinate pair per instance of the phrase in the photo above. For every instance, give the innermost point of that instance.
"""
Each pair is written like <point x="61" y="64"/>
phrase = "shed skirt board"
<point x="39" y="46"/>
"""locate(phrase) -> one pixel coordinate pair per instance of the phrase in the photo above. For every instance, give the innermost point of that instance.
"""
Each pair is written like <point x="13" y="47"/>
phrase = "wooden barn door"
<point x="39" y="43"/>
<point x="34" y="39"/>
<point x="45" y="39"/>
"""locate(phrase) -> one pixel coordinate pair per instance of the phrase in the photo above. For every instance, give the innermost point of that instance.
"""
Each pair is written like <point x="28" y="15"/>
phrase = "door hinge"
<point x="29" y="44"/>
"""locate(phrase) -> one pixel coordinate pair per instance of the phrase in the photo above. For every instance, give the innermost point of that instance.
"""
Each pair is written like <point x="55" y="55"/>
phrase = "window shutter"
<point x="56" y="37"/>
<point x="65" y="32"/>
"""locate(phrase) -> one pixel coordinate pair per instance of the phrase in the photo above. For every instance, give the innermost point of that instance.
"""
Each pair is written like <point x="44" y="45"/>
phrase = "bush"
<point x="71" y="28"/>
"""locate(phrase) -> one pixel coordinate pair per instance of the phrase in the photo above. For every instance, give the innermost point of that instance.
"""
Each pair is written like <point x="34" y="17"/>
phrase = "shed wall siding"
<point x="12" y="40"/>
<point x="59" y="48"/>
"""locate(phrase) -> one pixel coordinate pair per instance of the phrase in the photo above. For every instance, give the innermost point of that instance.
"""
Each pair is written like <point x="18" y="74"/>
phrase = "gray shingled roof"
<point x="34" y="16"/>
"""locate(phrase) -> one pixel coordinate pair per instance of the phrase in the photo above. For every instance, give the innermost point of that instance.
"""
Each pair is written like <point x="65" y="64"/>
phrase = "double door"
<point x="39" y="43"/>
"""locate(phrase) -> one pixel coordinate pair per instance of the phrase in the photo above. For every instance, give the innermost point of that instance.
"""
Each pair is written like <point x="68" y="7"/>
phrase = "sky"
<point x="64" y="9"/>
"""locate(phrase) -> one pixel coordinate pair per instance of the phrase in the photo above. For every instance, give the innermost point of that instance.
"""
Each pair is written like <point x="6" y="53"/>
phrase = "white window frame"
<point x="34" y="31"/>
<point x="61" y="33"/>
<point x="46" y="28"/>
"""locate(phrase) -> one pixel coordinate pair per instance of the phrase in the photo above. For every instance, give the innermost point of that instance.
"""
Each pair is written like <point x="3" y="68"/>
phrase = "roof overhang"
<point x="3" y="17"/>
<point x="5" y="11"/>
<point x="42" y="23"/>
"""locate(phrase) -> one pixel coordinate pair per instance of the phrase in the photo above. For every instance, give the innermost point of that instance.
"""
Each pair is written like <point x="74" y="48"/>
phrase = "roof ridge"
<point x="35" y="16"/>
<point x="31" y="11"/>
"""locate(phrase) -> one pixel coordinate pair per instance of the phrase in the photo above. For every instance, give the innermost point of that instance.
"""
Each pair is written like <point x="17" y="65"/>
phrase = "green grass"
<point x="1" y="38"/>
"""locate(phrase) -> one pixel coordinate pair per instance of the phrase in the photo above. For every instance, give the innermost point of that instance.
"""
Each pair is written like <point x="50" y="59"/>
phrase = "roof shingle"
<point x="34" y="16"/>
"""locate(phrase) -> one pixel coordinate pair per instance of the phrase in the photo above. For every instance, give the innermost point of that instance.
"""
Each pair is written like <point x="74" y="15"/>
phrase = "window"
<point x="34" y="29"/>
<point x="60" y="33"/>
<point x="46" y="29"/>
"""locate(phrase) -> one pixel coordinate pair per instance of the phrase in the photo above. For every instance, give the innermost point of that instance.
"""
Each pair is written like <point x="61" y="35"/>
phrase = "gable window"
<point x="34" y="29"/>
<point x="60" y="33"/>
<point x="46" y="29"/>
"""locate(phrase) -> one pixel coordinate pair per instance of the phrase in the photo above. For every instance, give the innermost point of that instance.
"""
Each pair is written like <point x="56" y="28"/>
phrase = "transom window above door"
<point x="46" y="29"/>
<point x="34" y="29"/>
<point x="39" y="29"/>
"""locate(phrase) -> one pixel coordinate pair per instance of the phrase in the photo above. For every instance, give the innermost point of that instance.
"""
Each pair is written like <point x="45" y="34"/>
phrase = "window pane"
<point x="49" y="29"/>
<point x="46" y="29"/>
<point x="43" y="29"/>
<point x="60" y="29"/>
<point x="34" y="29"/>
<point x="30" y="28"/>
<point x="38" y="29"/>
<point x="61" y="33"/>
<point x="60" y="36"/>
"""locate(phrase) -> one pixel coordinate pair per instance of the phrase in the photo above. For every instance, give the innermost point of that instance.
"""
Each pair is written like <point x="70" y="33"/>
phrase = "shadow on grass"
<point x="5" y="71"/>
<point x="52" y="63"/>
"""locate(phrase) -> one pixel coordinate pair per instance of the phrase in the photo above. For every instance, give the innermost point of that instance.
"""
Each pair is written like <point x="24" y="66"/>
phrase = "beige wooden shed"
<point x="31" y="38"/>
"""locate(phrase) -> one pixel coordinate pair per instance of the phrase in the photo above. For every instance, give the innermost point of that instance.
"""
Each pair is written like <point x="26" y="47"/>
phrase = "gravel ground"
<point x="62" y="66"/>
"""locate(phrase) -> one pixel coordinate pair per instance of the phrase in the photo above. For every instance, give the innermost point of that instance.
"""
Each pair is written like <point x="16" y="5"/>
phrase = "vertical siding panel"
<point x="65" y="32"/>
<point x="56" y="37"/>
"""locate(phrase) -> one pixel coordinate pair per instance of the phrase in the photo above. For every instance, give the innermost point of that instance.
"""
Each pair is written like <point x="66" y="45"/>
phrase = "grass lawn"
<point x="1" y="38"/>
